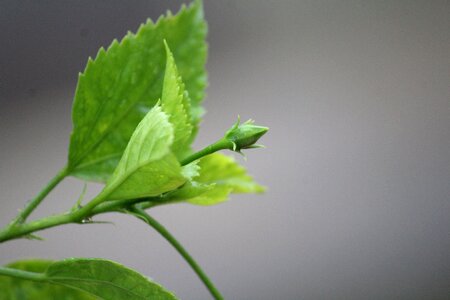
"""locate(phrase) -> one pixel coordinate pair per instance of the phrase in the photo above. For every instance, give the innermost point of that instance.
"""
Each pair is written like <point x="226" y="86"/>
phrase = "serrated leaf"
<point x="219" y="176"/>
<point x="19" y="289"/>
<point x="147" y="167"/>
<point x="81" y="278"/>
<point x="176" y="103"/>
<point x="125" y="81"/>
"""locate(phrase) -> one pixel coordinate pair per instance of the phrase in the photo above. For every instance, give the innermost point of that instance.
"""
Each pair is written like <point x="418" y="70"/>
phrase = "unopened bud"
<point x="245" y="136"/>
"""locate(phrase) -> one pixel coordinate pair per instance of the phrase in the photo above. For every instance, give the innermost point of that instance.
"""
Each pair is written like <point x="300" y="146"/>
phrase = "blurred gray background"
<point x="357" y="97"/>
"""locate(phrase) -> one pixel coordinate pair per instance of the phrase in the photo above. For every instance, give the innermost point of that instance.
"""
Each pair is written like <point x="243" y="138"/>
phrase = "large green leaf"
<point x="219" y="176"/>
<point x="105" y="279"/>
<point x="147" y="167"/>
<point x="176" y="103"/>
<point x="81" y="278"/>
<point x="19" y="289"/>
<point x="123" y="82"/>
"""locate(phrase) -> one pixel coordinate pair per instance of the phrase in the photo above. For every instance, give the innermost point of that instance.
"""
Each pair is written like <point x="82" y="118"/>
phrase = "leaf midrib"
<point x="51" y="279"/>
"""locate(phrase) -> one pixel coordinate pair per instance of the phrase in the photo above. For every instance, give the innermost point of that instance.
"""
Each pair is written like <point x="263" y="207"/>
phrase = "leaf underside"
<point x="122" y="83"/>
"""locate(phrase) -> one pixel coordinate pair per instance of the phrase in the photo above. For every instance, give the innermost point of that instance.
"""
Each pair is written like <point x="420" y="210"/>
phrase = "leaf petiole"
<point x="31" y="206"/>
<point x="140" y="213"/>
<point x="22" y="274"/>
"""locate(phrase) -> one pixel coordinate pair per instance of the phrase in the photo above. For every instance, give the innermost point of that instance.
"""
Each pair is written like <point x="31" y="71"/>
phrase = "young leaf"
<point x="19" y="289"/>
<point x="176" y="103"/>
<point x="219" y="176"/>
<point x="125" y="81"/>
<point x="147" y="167"/>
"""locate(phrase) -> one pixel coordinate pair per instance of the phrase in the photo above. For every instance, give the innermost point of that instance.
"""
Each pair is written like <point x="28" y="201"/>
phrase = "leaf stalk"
<point x="31" y="206"/>
<point x="22" y="274"/>
<point x="142" y="214"/>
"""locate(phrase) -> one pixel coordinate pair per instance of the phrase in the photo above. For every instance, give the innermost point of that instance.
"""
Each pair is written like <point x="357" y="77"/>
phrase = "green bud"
<point x="244" y="136"/>
<point x="240" y="136"/>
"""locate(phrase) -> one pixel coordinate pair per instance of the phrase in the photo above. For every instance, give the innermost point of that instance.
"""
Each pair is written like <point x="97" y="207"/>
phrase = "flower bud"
<point x="244" y="136"/>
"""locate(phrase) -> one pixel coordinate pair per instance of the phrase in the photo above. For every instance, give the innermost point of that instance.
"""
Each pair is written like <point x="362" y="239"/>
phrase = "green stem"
<point x="217" y="146"/>
<point x="171" y="239"/>
<point x="31" y="206"/>
<point x="94" y="207"/>
<point x="22" y="274"/>
<point x="19" y="230"/>
<point x="18" y="227"/>
<point x="118" y="205"/>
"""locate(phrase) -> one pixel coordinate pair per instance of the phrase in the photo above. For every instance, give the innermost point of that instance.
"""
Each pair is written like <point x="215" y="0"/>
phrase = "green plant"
<point x="136" y="112"/>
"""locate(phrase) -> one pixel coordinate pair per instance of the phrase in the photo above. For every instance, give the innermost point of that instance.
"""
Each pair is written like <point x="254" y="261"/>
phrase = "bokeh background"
<point x="357" y="98"/>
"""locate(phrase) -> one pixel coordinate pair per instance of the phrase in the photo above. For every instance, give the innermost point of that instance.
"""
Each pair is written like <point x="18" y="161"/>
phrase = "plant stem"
<point x="22" y="274"/>
<point x="19" y="230"/>
<point x="118" y="205"/>
<point x="217" y="146"/>
<point x="31" y="206"/>
<point x="171" y="239"/>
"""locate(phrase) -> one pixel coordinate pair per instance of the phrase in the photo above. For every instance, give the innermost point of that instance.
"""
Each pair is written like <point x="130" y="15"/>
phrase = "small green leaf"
<point x="147" y="167"/>
<point x="20" y="289"/>
<point x="219" y="176"/>
<point x="176" y="103"/>
<point x="123" y="82"/>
